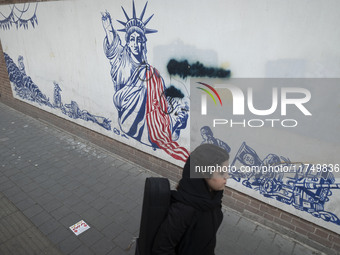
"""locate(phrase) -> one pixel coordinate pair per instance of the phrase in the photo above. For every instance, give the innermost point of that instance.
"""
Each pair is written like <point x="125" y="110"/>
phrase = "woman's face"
<point x="219" y="179"/>
<point x="135" y="43"/>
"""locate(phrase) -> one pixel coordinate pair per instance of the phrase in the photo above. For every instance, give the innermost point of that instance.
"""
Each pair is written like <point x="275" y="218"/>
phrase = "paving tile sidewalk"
<point x="50" y="179"/>
<point x="18" y="235"/>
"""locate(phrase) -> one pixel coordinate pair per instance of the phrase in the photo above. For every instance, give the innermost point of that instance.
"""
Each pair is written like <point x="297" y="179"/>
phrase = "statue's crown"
<point x="136" y="22"/>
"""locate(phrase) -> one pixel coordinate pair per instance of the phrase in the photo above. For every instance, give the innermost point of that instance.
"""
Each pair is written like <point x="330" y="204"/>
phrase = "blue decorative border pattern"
<point x="18" y="17"/>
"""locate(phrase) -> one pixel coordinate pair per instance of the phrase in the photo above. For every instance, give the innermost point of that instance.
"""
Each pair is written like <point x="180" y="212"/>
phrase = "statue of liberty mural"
<point x="139" y="89"/>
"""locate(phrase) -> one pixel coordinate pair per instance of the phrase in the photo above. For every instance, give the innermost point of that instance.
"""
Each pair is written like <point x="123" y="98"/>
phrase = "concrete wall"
<point x="70" y="83"/>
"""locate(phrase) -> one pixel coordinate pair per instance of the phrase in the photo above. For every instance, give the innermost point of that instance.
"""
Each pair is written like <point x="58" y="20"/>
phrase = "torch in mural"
<point x="139" y="88"/>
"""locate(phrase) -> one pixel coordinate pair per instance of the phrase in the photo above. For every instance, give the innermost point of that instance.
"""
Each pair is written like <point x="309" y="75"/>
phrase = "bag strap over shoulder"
<point x="156" y="203"/>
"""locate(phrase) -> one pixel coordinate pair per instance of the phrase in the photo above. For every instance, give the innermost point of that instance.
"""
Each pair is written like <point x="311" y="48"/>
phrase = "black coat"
<point x="193" y="219"/>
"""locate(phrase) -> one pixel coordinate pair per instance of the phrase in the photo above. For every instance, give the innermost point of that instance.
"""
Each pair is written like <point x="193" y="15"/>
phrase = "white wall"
<point x="254" y="39"/>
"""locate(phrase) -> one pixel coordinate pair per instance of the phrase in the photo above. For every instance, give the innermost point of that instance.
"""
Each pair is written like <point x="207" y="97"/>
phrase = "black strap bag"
<point x="156" y="203"/>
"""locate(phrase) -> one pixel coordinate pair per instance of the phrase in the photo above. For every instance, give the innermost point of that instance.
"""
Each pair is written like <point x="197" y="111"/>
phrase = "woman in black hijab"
<point x="195" y="212"/>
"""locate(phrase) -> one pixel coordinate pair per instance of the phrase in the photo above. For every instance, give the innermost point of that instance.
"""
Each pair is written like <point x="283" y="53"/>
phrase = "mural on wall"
<point x="26" y="89"/>
<point x="303" y="188"/>
<point x="150" y="108"/>
<point x="144" y="110"/>
<point x="19" y="14"/>
<point x="208" y="137"/>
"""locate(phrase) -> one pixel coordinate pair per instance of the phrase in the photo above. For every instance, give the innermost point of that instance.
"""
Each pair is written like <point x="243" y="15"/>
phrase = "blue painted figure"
<point x="21" y="65"/>
<point x="28" y="90"/>
<point x="208" y="137"/>
<point x="57" y="96"/>
<point x="142" y="110"/>
<point x="24" y="86"/>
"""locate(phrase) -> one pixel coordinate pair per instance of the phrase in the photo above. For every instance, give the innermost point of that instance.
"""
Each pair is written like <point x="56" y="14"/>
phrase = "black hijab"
<point x="195" y="191"/>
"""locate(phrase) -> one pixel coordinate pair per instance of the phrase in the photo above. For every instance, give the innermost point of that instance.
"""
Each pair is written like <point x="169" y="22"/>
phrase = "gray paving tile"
<point x="3" y="178"/>
<point x="232" y="234"/>
<point x="64" y="194"/>
<point x="103" y="246"/>
<point x="123" y="240"/>
<point x="230" y="217"/>
<point x="61" y="212"/>
<point x="70" y="219"/>
<point x="60" y="179"/>
<point x="72" y="185"/>
<point x="82" y="250"/>
<point x="100" y="222"/>
<point x="4" y="249"/>
<point x="41" y="178"/>
<point x="248" y="242"/>
<point x="46" y="185"/>
<point x="122" y="216"/>
<point x="49" y="226"/>
<point x="6" y="185"/>
<point x="246" y="225"/>
<point x="32" y="172"/>
<point x="117" y="197"/>
<point x="136" y="212"/>
<point x="99" y="203"/>
<point x="265" y="248"/>
<point x="33" y="210"/>
<point x="11" y="172"/>
<point x="25" y="204"/>
<point x="69" y="245"/>
<point x="99" y="187"/>
<point x="38" y="192"/>
<point x="91" y="236"/>
<point x="18" y="235"/>
<point x="81" y="191"/>
<point x="117" y="251"/>
<point x="89" y="197"/>
<point x="59" y="234"/>
<point x="304" y="250"/>
<point x="266" y="234"/>
<point x="23" y="181"/>
<point x="52" y="205"/>
<point x="16" y="177"/>
<point x="6" y="208"/>
<point x="14" y="190"/>
<point x="41" y="218"/>
<point x="283" y="244"/>
<point x="29" y="187"/>
<point x="79" y="206"/>
<point x="89" y="182"/>
<point x="110" y="209"/>
<point x="91" y="214"/>
<point x="17" y="246"/>
<point x="14" y="223"/>
<point x="58" y="175"/>
<point x="64" y="180"/>
<point x="112" y="230"/>
<point x="44" y="198"/>
<point x="132" y="225"/>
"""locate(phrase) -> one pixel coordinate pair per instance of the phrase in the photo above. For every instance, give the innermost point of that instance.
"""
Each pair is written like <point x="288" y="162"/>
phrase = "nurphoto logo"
<point x="294" y="98"/>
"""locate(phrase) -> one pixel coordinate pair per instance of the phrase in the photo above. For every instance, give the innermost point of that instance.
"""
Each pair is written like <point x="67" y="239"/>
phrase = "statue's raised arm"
<point x="107" y="25"/>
